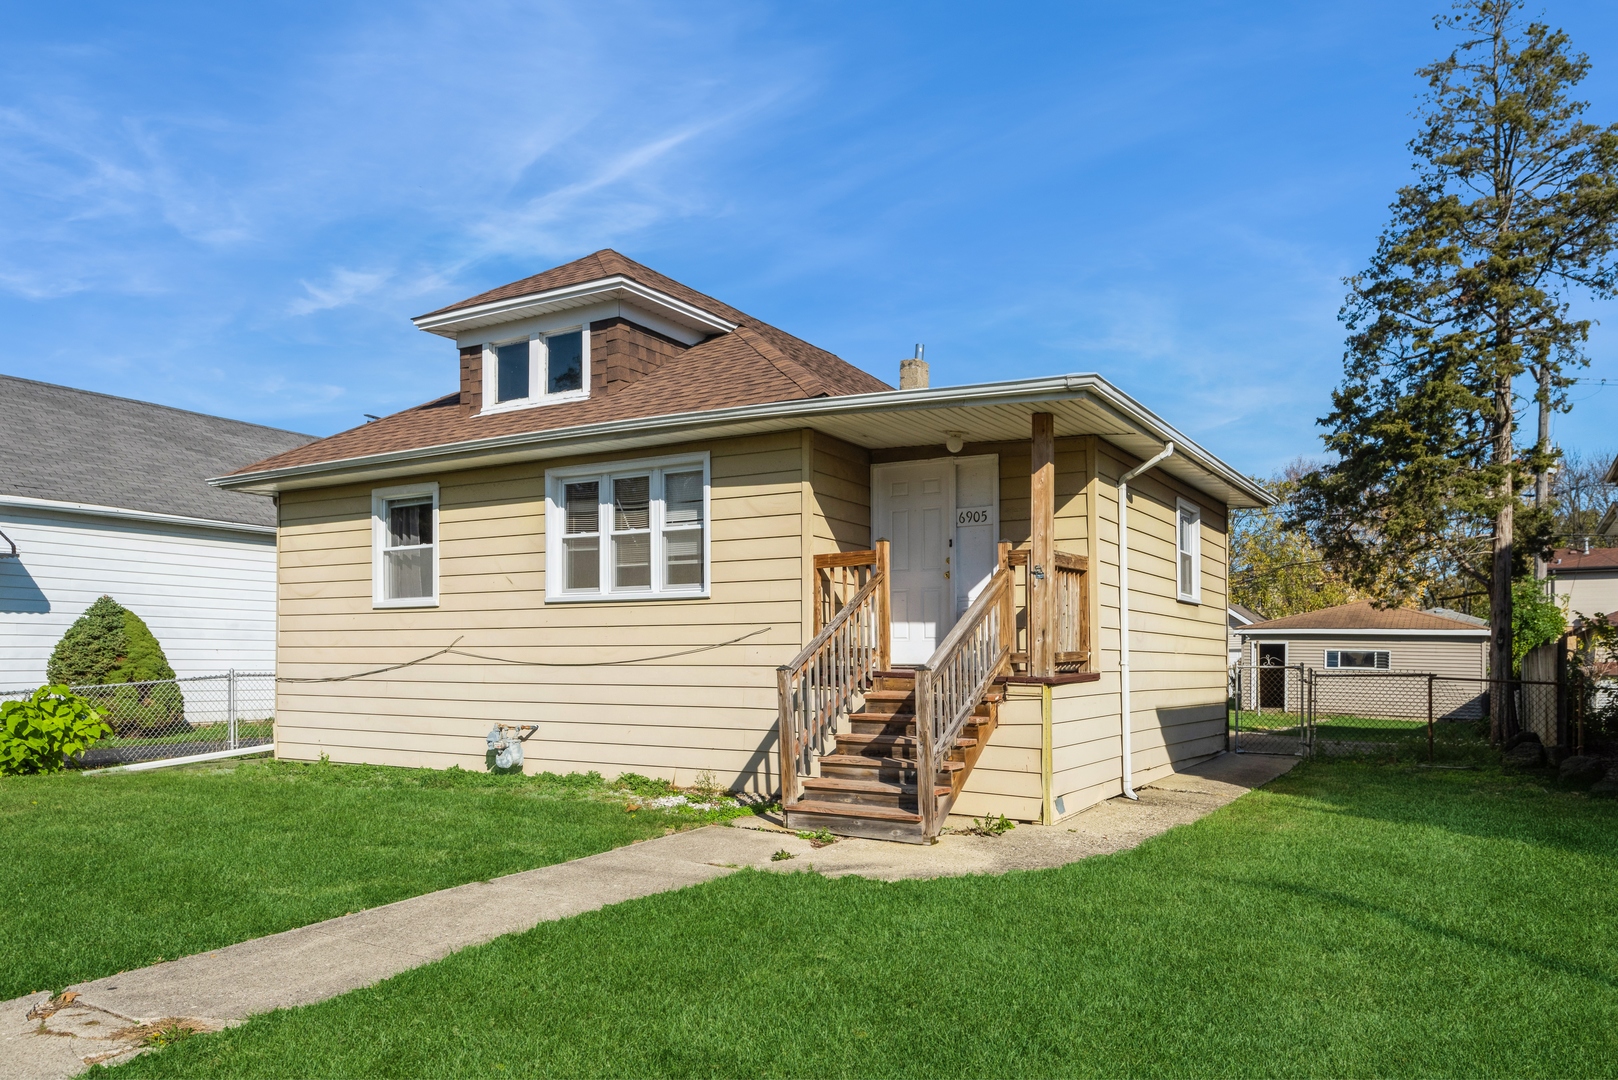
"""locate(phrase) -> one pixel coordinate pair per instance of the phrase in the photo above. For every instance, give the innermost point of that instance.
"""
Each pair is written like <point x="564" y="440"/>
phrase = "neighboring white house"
<point x="105" y="495"/>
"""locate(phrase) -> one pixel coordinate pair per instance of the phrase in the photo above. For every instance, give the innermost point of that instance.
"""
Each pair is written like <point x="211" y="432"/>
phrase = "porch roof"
<point x="1082" y="404"/>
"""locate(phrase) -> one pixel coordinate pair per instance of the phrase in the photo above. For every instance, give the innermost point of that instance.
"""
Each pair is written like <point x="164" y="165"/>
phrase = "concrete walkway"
<point x="106" y="1020"/>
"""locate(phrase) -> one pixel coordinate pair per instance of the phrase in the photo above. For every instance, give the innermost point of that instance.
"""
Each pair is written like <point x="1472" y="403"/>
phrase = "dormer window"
<point x="536" y="369"/>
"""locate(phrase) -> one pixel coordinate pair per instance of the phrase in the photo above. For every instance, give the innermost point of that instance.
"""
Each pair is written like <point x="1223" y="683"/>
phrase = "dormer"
<point x="544" y="341"/>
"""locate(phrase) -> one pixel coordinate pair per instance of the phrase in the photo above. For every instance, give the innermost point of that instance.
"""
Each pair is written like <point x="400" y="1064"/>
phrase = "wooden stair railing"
<point x="954" y="682"/>
<point x="820" y="685"/>
<point x="1070" y="614"/>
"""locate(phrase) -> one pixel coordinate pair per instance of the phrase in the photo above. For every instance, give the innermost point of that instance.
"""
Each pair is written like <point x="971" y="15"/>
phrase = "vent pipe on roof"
<point x="913" y="372"/>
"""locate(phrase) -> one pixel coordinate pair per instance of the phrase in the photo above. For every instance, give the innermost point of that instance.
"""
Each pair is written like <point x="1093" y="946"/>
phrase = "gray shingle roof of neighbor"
<point x="78" y="446"/>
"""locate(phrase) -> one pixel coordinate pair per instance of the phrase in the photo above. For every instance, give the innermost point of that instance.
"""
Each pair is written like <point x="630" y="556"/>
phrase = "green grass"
<point x="246" y="731"/>
<point x="106" y="873"/>
<point x="1352" y="919"/>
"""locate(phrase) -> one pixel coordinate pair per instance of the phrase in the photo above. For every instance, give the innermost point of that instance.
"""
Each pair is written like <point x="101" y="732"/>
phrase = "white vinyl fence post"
<point x="230" y="704"/>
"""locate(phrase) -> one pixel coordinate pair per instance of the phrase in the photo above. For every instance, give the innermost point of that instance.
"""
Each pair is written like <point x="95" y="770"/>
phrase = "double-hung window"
<point x="404" y="539"/>
<point x="627" y="530"/>
<point x="536" y="369"/>
<point x="1188" y="551"/>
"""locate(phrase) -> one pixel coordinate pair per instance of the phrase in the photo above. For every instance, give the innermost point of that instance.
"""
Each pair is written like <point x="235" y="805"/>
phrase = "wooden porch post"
<point x="884" y="646"/>
<point x="1042" y="547"/>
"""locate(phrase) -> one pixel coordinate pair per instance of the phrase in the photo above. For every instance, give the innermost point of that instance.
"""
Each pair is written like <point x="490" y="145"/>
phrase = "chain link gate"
<point x="1270" y="709"/>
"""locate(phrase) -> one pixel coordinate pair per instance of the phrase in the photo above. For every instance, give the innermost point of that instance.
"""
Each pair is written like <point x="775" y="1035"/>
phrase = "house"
<point x="679" y="540"/>
<point x="1360" y="639"/>
<point x="1584" y="581"/>
<point x="105" y="495"/>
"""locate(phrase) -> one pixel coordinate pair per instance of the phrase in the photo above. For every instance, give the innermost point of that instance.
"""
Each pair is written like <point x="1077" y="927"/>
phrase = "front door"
<point x="913" y="506"/>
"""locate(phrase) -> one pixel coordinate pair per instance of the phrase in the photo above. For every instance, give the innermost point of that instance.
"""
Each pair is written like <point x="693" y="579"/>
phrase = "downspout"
<point x="1123" y="611"/>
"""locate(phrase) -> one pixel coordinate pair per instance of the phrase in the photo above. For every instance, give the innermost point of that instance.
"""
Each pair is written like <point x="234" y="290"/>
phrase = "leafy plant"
<point x="39" y="733"/>
<point x="818" y="838"/>
<point x="782" y="855"/>
<point x="707" y="789"/>
<point x="648" y="786"/>
<point x="1535" y="620"/>
<point x="990" y="826"/>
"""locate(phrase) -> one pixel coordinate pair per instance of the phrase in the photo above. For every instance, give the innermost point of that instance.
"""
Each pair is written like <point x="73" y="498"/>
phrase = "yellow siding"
<point x="1178" y="657"/>
<point x="776" y="501"/>
<point x="1006" y="779"/>
<point x="841" y="494"/>
<point x="713" y="711"/>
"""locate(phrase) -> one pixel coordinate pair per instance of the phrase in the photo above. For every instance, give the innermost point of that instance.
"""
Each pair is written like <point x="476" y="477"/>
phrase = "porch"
<point x="887" y="710"/>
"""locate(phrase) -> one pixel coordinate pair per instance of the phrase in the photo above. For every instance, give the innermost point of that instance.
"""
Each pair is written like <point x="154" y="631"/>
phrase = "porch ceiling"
<point x="988" y="412"/>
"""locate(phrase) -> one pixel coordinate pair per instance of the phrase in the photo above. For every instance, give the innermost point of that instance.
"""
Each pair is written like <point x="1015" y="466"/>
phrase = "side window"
<point x="1364" y="659"/>
<point x="404" y="525"/>
<point x="1188" y="551"/>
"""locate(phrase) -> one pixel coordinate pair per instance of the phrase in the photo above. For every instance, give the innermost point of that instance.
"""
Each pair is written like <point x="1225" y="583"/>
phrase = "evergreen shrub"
<point x="109" y="644"/>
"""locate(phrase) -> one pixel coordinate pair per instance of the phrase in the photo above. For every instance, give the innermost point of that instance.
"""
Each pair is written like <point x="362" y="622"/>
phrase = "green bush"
<point x="1535" y="620"/>
<point x="107" y="644"/>
<point x="39" y="733"/>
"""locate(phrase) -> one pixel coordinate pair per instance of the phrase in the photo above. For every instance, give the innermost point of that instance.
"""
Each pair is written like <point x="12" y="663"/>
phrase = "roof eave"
<point x="1075" y="386"/>
<point x="450" y="322"/>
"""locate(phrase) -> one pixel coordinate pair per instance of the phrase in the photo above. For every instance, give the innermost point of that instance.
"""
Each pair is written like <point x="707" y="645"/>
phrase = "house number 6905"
<point x="971" y="517"/>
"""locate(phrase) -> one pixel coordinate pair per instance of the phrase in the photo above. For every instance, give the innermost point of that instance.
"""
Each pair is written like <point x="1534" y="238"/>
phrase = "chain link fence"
<point x="1290" y="709"/>
<point x="175" y="718"/>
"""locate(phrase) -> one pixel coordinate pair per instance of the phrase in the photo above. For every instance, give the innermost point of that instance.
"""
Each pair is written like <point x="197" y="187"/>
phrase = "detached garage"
<point x="1359" y="638"/>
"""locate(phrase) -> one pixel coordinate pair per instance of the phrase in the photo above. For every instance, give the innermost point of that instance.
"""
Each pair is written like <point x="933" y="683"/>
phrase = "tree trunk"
<point x="1502" y="712"/>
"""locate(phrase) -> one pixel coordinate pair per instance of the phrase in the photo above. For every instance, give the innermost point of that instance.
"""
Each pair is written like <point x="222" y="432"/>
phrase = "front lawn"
<point x="107" y="873"/>
<point x="1352" y="919"/>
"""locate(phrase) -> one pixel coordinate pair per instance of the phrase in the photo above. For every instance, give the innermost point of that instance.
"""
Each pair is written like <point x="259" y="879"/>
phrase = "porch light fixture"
<point x="8" y="547"/>
<point x="954" y="442"/>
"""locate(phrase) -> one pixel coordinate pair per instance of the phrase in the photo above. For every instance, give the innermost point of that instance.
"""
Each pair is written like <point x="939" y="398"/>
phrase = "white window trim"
<point x="379" y="535"/>
<point x="1195" y="595"/>
<point x="1337" y="653"/>
<point x="556" y="550"/>
<point x="538" y="373"/>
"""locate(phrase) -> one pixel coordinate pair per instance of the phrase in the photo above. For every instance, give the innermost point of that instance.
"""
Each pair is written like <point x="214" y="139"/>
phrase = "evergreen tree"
<point x="107" y="644"/>
<point x="1462" y="317"/>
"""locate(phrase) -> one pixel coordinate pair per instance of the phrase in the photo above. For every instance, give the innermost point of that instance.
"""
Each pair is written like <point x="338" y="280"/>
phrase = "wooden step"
<point x="867" y="793"/>
<point x="881" y="745"/>
<point x="847" y="819"/>
<point x="885" y="769"/>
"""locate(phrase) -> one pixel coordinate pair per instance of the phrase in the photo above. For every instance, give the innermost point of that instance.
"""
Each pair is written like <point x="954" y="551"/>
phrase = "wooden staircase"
<point x="867" y="784"/>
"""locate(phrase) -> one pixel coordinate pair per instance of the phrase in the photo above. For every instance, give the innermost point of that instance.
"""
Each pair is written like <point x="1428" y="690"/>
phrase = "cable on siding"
<point x="451" y="650"/>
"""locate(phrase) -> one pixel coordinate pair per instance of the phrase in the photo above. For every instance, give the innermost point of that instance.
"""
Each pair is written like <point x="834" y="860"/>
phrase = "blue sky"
<point x="237" y="208"/>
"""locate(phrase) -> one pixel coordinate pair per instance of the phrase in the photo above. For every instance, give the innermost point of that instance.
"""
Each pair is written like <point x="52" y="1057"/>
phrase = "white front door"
<point x="913" y="505"/>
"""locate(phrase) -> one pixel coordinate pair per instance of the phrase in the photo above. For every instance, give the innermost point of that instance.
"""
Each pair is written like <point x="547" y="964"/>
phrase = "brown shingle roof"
<point x="755" y="364"/>
<point x="1572" y="560"/>
<point x="1362" y="616"/>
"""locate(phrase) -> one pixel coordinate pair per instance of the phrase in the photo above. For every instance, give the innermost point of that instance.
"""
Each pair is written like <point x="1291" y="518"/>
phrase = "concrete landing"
<point x="108" y="1019"/>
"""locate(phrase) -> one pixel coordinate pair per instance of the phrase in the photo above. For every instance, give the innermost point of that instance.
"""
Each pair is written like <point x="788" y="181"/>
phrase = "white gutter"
<point x="1020" y="391"/>
<point x="1126" y="715"/>
<point x="1479" y="632"/>
<point x="23" y="502"/>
